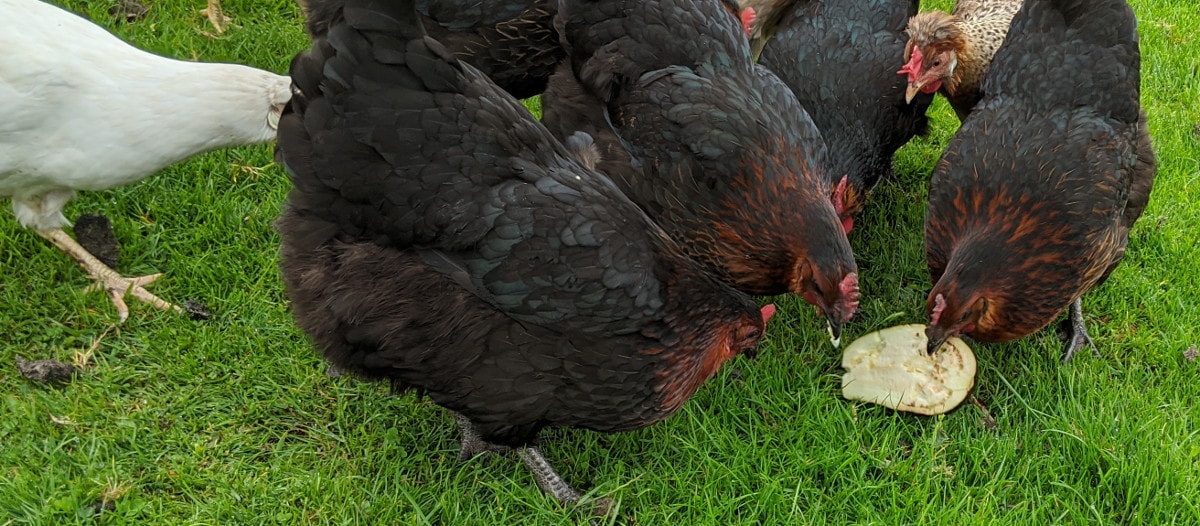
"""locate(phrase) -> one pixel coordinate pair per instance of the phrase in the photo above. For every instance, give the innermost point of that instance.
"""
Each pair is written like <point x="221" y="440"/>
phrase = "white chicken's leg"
<point x="215" y="16"/>
<point x="116" y="285"/>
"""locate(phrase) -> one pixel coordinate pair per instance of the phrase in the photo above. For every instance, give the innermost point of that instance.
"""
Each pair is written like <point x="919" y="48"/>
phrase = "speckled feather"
<point x="839" y="58"/>
<point x="730" y="162"/>
<point x="1031" y="204"/>
<point x="438" y="236"/>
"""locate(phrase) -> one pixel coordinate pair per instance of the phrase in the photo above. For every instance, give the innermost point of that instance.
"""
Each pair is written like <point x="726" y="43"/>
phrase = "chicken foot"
<point x="215" y="16"/>
<point x="108" y="279"/>
<point x="547" y="479"/>
<point x="1075" y="331"/>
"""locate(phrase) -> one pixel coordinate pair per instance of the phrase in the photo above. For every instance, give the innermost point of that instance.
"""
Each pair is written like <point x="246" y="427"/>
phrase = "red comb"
<point x="748" y="17"/>
<point x="839" y="203"/>
<point x="839" y="195"/>
<point x="939" y="304"/>
<point x="913" y="68"/>
<point x="767" y="311"/>
<point x="849" y="289"/>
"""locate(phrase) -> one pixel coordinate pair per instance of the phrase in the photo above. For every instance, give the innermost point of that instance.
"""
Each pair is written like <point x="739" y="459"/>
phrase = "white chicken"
<point x="82" y="110"/>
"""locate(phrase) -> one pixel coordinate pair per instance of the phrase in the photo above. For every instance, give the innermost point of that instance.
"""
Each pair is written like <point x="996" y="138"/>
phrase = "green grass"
<point x="233" y="421"/>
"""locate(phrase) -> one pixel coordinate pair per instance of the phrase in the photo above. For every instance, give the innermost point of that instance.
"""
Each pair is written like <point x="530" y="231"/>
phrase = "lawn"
<point x="234" y="421"/>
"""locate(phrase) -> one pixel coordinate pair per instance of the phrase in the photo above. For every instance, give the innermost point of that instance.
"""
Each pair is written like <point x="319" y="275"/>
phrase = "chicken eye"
<point x="749" y="336"/>
<point x="937" y="62"/>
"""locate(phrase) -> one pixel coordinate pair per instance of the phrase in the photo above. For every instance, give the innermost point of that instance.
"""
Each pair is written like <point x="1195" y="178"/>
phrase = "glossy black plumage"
<point x="839" y="58"/>
<point x="726" y="160"/>
<point x="438" y="236"/>
<point x="511" y="41"/>
<point x="1032" y="202"/>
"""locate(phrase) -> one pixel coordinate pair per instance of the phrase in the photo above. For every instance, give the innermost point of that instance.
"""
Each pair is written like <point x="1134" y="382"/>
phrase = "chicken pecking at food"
<point x="511" y="41"/>
<point x="438" y="236"/>
<point x="837" y="56"/>
<point x="726" y="159"/>
<point x="83" y="110"/>
<point x="951" y="52"/>
<point x="1031" y="204"/>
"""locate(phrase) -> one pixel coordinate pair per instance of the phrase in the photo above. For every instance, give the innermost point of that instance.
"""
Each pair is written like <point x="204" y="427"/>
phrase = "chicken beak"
<point x="913" y="89"/>
<point x="835" y="333"/>
<point x="937" y="338"/>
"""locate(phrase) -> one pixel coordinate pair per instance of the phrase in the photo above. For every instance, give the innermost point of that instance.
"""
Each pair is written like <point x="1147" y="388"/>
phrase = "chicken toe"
<point x="473" y="443"/>
<point x="1076" y="331"/>
<point x="118" y="286"/>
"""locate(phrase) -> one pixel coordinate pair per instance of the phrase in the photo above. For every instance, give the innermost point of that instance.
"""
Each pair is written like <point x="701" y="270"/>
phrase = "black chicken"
<point x="724" y="157"/>
<point x="512" y="41"/>
<point x="1031" y="204"/>
<point x="838" y="56"/>
<point x="439" y="237"/>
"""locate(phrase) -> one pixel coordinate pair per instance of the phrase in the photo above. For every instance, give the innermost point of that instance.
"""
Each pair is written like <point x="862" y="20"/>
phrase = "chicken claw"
<point x="1075" y="331"/>
<point x="116" y="285"/>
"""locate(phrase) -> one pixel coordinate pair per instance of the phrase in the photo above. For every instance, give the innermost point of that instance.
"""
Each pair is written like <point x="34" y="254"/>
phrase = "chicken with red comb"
<point x="714" y="147"/>
<point x="1031" y="204"/>
<point x="951" y="53"/>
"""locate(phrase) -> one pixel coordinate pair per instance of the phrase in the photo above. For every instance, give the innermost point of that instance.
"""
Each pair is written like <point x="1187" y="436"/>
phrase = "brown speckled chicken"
<point x="1031" y="204"/>
<point x="725" y="158"/>
<point x="439" y="237"/>
<point x="951" y="52"/>
<point x="513" y="42"/>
